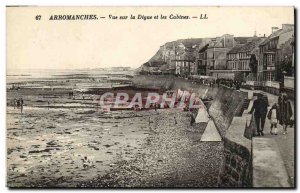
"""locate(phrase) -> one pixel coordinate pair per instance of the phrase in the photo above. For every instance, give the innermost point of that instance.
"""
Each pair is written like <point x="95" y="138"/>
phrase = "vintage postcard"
<point x="150" y="97"/>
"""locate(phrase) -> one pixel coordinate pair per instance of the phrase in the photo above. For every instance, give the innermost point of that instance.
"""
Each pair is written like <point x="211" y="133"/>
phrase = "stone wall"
<point x="226" y="104"/>
<point x="237" y="168"/>
<point x="172" y="83"/>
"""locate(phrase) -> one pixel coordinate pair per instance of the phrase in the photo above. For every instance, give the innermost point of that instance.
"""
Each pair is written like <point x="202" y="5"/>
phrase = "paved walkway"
<point x="268" y="166"/>
<point x="280" y="143"/>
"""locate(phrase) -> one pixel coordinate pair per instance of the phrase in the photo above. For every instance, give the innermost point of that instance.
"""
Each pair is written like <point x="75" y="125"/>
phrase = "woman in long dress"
<point x="285" y="112"/>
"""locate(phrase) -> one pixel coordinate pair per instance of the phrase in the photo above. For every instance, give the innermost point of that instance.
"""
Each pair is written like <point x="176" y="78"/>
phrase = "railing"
<point x="272" y="84"/>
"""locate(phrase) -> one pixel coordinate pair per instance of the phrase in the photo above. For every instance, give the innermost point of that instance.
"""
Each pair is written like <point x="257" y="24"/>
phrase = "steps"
<point x="246" y="103"/>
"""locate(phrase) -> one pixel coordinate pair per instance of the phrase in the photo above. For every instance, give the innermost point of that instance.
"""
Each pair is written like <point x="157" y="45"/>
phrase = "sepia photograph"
<point x="150" y="97"/>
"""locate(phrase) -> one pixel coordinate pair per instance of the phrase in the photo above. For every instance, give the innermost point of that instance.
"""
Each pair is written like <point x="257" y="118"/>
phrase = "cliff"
<point x="165" y="55"/>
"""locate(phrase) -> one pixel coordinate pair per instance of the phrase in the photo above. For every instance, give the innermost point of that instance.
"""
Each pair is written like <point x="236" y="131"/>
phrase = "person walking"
<point x="260" y="108"/>
<point x="273" y="117"/>
<point x="285" y="111"/>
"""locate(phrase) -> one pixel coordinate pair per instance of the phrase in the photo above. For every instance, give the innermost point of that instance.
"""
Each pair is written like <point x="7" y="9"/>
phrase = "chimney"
<point x="274" y="29"/>
<point x="287" y="26"/>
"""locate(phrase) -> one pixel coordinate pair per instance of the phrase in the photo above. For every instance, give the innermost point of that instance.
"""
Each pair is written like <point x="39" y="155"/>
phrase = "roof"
<point x="243" y="40"/>
<point x="203" y="48"/>
<point x="214" y="44"/>
<point x="163" y="67"/>
<point x="277" y="34"/>
<point x="248" y="47"/>
<point x="283" y="38"/>
<point x="235" y="49"/>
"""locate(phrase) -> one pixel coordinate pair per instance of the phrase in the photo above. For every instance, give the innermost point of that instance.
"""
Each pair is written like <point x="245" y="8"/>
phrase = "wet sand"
<point x="46" y="146"/>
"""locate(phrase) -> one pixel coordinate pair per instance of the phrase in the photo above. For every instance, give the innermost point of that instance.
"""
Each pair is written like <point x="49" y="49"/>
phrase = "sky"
<point x="47" y="44"/>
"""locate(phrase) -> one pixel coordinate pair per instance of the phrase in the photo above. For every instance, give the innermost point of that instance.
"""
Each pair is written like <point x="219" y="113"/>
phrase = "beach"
<point x="66" y="141"/>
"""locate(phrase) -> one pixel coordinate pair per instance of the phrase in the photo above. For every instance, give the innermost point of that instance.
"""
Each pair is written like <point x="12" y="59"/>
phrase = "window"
<point x="270" y="76"/>
<point x="270" y="59"/>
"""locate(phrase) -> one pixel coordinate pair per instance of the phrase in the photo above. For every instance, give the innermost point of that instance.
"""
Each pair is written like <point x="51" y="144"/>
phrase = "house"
<point x="167" y="70"/>
<point x="185" y="62"/>
<point x="271" y="53"/>
<point x="212" y="56"/>
<point x="239" y="60"/>
<point x="151" y="67"/>
<point x="184" y="65"/>
<point x="201" y="60"/>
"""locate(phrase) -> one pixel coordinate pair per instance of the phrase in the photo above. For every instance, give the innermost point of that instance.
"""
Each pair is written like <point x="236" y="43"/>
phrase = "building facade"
<point x="212" y="56"/>
<point x="185" y="63"/>
<point x="271" y="54"/>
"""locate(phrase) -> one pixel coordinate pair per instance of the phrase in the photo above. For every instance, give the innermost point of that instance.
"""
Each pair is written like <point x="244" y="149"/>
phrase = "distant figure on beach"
<point x="86" y="162"/>
<point x="175" y="120"/>
<point x="48" y="105"/>
<point x="192" y="119"/>
<point x="15" y="103"/>
<point x="18" y="103"/>
<point x="155" y="106"/>
<point x="285" y="112"/>
<point x="260" y="108"/>
<point x="21" y="102"/>
<point x="71" y="94"/>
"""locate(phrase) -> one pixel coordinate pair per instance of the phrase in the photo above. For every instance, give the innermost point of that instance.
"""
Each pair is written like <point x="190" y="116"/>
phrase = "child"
<point x="272" y="116"/>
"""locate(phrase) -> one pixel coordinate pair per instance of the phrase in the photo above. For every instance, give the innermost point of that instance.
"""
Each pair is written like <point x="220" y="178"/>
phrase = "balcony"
<point x="269" y="68"/>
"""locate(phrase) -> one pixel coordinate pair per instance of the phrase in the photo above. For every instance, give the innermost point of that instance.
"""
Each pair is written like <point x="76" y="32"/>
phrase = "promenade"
<point x="273" y="155"/>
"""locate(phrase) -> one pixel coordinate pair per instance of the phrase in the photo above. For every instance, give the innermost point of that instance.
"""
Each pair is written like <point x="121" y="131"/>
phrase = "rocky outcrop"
<point x="164" y="57"/>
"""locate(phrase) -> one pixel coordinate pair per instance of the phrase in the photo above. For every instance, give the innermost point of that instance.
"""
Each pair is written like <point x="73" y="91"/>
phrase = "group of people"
<point x="229" y="83"/>
<point x="18" y="103"/>
<point x="280" y="112"/>
<point x="219" y="81"/>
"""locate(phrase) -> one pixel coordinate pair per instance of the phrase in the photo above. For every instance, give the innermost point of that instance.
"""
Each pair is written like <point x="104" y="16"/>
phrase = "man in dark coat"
<point x="260" y="108"/>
